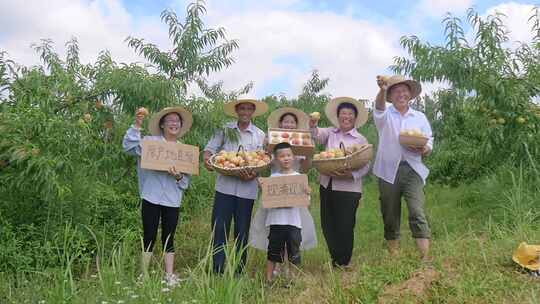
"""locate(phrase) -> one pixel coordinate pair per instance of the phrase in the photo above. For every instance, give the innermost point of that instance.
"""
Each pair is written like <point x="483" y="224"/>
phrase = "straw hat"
<point x="187" y="120"/>
<point x="332" y="106"/>
<point x="527" y="256"/>
<point x="230" y="107"/>
<point x="414" y="85"/>
<point x="275" y="116"/>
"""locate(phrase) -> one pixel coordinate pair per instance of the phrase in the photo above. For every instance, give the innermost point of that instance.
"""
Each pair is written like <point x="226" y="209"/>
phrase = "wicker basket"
<point x="236" y="171"/>
<point x="351" y="161"/>
<point x="414" y="141"/>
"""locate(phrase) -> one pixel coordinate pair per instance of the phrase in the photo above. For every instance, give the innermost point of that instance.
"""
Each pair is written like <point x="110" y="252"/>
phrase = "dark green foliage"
<point x="487" y="117"/>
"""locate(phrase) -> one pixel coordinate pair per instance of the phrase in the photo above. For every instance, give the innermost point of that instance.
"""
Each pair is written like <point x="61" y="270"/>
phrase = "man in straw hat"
<point x="161" y="192"/>
<point x="234" y="196"/>
<point x="400" y="170"/>
<point x="340" y="192"/>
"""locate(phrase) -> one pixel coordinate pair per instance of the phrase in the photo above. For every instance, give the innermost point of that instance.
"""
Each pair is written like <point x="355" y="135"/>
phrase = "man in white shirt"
<point x="400" y="169"/>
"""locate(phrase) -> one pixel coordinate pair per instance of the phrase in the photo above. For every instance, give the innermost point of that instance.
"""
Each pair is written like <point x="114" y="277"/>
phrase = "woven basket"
<point x="414" y="141"/>
<point x="236" y="171"/>
<point x="351" y="161"/>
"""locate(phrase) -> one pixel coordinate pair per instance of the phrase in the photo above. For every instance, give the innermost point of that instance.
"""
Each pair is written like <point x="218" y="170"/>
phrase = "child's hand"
<point x="307" y="190"/>
<point x="260" y="182"/>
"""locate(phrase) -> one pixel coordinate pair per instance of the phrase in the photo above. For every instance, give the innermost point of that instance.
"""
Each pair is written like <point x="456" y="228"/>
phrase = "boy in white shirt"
<point x="285" y="224"/>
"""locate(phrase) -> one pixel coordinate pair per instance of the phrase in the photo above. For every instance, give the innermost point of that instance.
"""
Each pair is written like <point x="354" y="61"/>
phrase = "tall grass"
<point x="473" y="238"/>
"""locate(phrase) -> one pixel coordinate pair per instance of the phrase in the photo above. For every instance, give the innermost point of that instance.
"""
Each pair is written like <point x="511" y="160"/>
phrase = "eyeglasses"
<point x="172" y="122"/>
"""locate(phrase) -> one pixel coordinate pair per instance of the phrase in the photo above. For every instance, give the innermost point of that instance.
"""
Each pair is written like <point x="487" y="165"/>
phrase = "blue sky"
<point x="281" y="41"/>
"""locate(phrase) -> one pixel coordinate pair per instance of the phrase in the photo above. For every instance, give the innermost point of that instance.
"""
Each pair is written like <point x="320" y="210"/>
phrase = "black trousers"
<point x="151" y="214"/>
<point x="281" y="237"/>
<point x="226" y="208"/>
<point x="338" y="218"/>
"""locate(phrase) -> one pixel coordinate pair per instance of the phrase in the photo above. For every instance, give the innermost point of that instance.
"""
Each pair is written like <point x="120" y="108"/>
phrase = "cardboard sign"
<point x="285" y="191"/>
<point x="161" y="155"/>
<point x="302" y="144"/>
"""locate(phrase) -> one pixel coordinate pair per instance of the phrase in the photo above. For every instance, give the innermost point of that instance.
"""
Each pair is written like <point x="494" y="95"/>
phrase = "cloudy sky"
<point x="281" y="41"/>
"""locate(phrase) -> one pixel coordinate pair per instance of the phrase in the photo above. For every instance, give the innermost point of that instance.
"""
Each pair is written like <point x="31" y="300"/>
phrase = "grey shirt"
<point x="251" y="138"/>
<point x="157" y="187"/>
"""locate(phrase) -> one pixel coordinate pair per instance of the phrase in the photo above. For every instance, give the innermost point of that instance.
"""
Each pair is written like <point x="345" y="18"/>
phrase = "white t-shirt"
<point x="390" y="153"/>
<point x="284" y="215"/>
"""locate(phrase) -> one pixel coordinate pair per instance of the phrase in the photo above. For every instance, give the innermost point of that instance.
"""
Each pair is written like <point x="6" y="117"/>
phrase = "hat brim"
<point x="187" y="120"/>
<point x="333" y="104"/>
<point x="415" y="87"/>
<point x="532" y="266"/>
<point x="524" y="257"/>
<point x="230" y="107"/>
<point x="275" y="116"/>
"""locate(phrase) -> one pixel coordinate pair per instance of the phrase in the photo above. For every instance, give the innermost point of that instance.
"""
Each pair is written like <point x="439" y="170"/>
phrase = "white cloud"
<point x="287" y="45"/>
<point x="516" y="20"/>
<point x="98" y="25"/>
<point x="279" y="46"/>
<point x="272" y="41"/>
<point x="438" y="8"/>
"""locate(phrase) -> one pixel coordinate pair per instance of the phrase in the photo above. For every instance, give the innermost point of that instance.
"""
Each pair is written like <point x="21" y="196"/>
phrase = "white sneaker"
<point x="140" y="279"/>
<point x="171" y="279"/>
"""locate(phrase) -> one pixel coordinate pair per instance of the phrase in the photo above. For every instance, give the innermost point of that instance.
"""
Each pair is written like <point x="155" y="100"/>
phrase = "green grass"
<point x="471" y="251"/>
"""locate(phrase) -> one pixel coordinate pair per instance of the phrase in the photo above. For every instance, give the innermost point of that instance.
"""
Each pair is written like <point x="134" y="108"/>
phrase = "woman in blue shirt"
<point x="161" y="192"/>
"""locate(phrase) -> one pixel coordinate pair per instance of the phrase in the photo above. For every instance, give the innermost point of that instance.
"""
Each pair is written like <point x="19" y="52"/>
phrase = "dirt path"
<point x="417" y="286"/>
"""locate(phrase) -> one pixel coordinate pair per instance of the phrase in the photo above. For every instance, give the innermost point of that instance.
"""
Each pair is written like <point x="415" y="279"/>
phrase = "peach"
<point x="143" y="111"/>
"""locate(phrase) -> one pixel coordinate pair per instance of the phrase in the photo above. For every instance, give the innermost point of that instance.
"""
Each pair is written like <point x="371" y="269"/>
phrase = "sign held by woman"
<point x="161" y="155"/>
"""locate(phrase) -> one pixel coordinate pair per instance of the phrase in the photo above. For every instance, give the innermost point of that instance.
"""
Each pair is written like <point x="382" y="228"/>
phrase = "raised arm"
<point x="132" y="139"/>
<point x="380" y="99"/>
<point x="318" y="134"/>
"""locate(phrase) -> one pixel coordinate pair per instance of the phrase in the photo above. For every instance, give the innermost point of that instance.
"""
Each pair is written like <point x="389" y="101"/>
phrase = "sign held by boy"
<point x="284" y="191"/>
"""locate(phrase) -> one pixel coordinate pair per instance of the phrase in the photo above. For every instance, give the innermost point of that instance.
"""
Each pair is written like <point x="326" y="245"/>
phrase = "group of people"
<point x="284" y="231"/>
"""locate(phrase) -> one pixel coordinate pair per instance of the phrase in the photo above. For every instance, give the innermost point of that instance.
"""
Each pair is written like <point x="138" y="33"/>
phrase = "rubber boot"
<point x="168" y="260"/>
<point x="146" y="257"/>
<point x="423" y="248"/>
<point x="171" y="279"/>
<point x="393" y="247"/>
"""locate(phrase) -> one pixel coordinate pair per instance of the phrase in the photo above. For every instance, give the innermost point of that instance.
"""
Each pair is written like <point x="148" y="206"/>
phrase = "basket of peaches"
<point x="232" y="163"/>
<point x="343" y="158"/>
<point x="412" y="138"/>
<point x="300" y="140"/>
